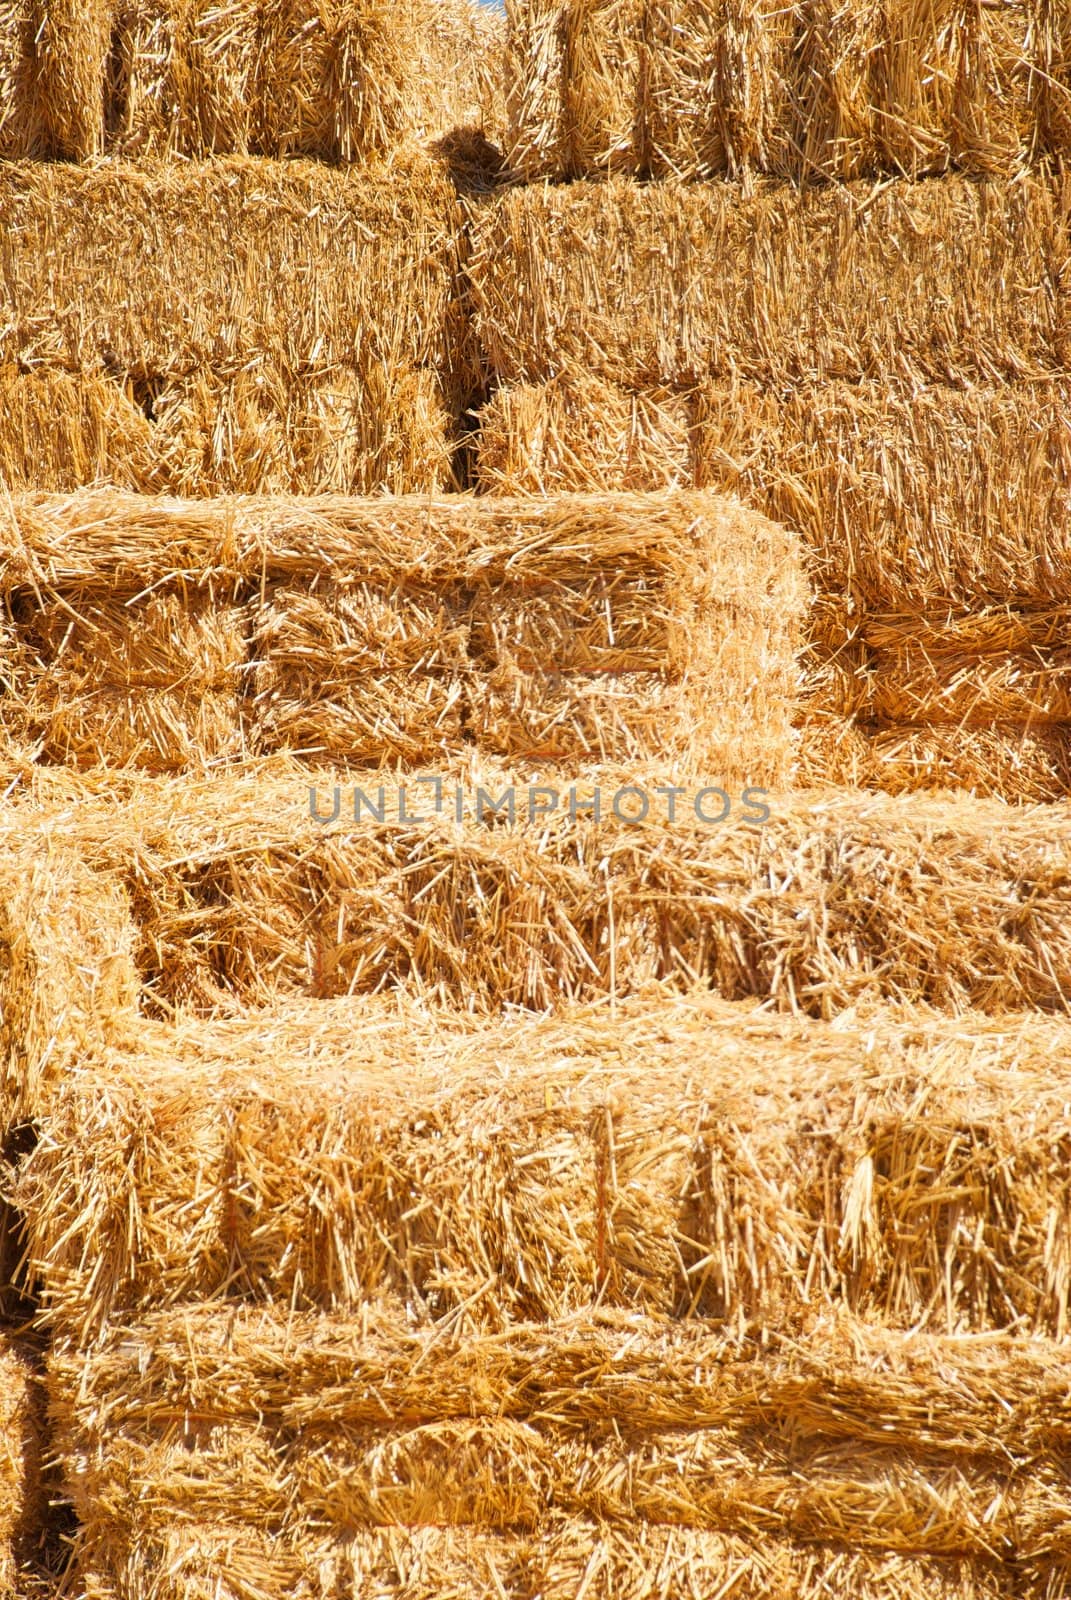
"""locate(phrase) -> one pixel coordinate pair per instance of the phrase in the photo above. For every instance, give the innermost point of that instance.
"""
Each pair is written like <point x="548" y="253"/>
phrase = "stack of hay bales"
<point x="355" y="1276"/>
<point x="804" y="90"/>
<point x="169" y="634"/>
<point x="432" y="1303"/>
<point x="231" y="326"/>
<point x="338" y="80"/>
<point x="882" y="367"/>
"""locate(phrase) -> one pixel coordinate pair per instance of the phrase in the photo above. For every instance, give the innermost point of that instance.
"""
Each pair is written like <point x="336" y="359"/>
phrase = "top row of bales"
<point x="571" y="88"/>
<point x="807" y="89"/>
<point x="335" y="80"/>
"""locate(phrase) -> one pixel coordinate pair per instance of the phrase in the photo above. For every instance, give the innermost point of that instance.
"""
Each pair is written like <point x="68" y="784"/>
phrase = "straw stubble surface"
<point x="583" y="628"/>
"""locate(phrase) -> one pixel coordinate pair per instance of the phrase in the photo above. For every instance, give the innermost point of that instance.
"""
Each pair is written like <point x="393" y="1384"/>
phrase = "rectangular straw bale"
<point x="144" y="78"/>
<point x="62" y="430"/>
<point x="460" y="79"/>
<point x="952" y="84"/>
<point x="621" y="1561"/>
<point x="334" y="80"/>
<point x="845" y="1378"/>
<point x="602" y="68"/>
<point x="234" y="265"/>
<point x="713" y="91"/>
<point x="648" y="87"/>
<point x="109" y="678"/>
<point x="967" y="689"/>
<point x="536" y="144"/>
<point x="674" y="284"/>
<point x="826" y="110"/>
<point x="222" y="1562"/>
<point x="258" y="432"/>
<point x="1024" y="765"/>
<point x="663" y="1158"/>
<point x="836" y="899"/>
<point x="541" y="654"/>
<point x="505" y="1476"/>
<point x="341" y="432"/>
<point x="21" y="130"/>
<point x="580" y="628"/>
<point x="67" y="975"/>
<point x="72" y="41"/>
<point x="993" y="667"/>
<point x="897" y="489"/>
<point x="152" y="730"/>
<point x="576" y="434"/>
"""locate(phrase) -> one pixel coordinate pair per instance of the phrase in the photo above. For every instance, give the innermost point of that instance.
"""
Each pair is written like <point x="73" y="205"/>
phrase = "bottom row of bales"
<point x="374" y="1299"/>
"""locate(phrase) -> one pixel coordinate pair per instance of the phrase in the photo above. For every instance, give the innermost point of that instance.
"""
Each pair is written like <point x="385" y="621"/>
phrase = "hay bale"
<point x="583" y="628"/>
<point x="20" y="114"/>
<point x="836" y="899"/>
<point x="460" y="80"/>
<point x="142" y="86"/>
<point x="121" y="679"/>
<point x="237" y="267"/>
<point x="671" y="284"/>
<point x="845" y="1379"/>
<point x="713" y="95"/>
<point x="62" y="431"/>
<point x="577" y="435"/>
<point x="258" y="432"/>
<point x="67" y="977"/>
<point x="335" y="80"/>
<point x="662" y="1158"/>
<point x="555" y="1437"/>
<point x="816" y="88"/>
<point x="1051" y="76"/>
<point x="535" y="129"/>
<point x="894" y="487"/>
<point x="953" y="86"/>
<point x="913" y="683"/>
<point x="336" y="433"/>
<point x="236" y="78"/>
<point x="207" y="1562"/>
<point x="498" y="1477"/>
<point x="72" y="41"/>
<point x="1016" y="763"/>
